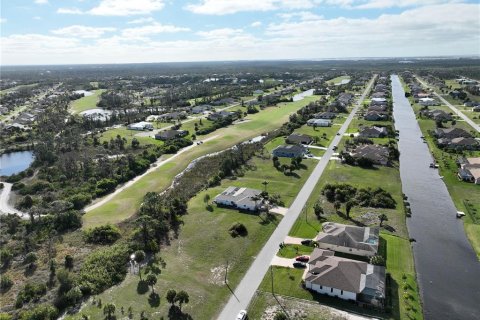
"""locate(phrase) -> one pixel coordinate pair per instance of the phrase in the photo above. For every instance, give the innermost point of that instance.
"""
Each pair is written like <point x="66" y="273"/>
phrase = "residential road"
<point x="254" y="276"/>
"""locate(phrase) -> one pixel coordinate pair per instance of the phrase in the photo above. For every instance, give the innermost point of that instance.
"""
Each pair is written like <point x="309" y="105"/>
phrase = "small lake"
<point x="303" y="94"/>
<point x="15" y="162"/>
<point x="85" y="93"/>
<point x="344" y="81"/>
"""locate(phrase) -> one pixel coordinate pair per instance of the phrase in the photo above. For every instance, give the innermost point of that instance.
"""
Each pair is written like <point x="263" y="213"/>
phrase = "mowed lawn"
<point x="125" y="203"/>
<point x="338" y="79"/>
<point x="196" y="261"/>
<point x="86" y="103"/>
<point x="123" y="132"/>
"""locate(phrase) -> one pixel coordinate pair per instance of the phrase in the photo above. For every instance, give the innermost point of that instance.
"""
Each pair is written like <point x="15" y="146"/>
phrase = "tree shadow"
<point x="154" y="300"/>
<point x="142" y="287"/>
<point x="30" y="270"/>
<point x="389" y="228"/>
<point x="175" y="313"/>
<point x="292" y="174"/>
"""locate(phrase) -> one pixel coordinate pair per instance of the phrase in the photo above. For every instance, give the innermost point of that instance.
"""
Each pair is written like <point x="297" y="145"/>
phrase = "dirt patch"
<point x="217" y="275"/>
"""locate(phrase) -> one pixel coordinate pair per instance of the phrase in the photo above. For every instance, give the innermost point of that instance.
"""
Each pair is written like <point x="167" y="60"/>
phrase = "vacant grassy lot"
<point x="129" y="135"/>
<point x="196" y="261"/>
<point x="338" y="79"/>
<point x="125" y="203"/>
<point x="86" y="103"/>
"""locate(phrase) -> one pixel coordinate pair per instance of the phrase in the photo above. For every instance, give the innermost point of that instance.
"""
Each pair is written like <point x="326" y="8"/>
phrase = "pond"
<point x="15" y="162"/>
<point x="303" y="94"/>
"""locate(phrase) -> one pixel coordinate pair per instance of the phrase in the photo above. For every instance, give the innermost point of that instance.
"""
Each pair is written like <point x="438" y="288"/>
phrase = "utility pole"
<point x="226" y="271"/>
<point x="271" y="276"/>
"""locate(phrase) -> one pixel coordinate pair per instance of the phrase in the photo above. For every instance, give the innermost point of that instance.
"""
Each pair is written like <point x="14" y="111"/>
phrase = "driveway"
<point x="293" y="240"/>
<point x="282" y="262"/>
<point x="279" y="210"/>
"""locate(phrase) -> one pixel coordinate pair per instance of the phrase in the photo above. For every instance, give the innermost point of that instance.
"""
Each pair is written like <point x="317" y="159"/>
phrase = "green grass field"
<point x="338" y="79"/>
<point x="124" y="204"/>
<point x="196" y="261"/>
<point x="129" y="135"/>
<point x="86" y="103"/>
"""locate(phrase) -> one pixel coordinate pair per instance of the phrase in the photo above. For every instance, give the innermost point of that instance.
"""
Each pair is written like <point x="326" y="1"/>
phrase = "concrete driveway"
<point x="282" y="262"/>
<point x="293" y="240"/>
<point x="279" y="210"/>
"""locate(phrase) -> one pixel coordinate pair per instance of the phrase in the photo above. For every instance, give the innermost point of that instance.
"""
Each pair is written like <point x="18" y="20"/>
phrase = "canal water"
<point x="447" y="268"/>
<point x="15" y="162"/>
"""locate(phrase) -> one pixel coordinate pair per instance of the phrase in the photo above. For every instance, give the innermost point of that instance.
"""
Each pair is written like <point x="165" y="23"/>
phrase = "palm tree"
<point x="109" y="310"/>
<point x="171" y="294"/>
<point x="139" y="257"/>
<point x="265" y="183"/>
<point x="182" y="297"/>
<point x="152" y="280"/>
<point x="383" y="217"/>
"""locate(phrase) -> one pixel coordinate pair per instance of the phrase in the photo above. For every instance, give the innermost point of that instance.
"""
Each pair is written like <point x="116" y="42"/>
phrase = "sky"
<point x="137" y="31"/>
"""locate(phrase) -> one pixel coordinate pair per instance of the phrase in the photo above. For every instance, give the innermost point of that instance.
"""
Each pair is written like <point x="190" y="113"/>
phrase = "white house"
<point x="345" y="278"/>
<point x="319" y="123"/>
<point x="140" y="126"/>
<point x="427" y="102"/>
<point x="240" y="198"/>
<point x="360" y="241"/>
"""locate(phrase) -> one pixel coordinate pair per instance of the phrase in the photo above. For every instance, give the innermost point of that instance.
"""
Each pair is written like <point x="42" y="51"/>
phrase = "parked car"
<point x="298" y="264"/>
<point x="307" y="242"/>
<point x="242" y="315"/>
<point x="302" y="258"/>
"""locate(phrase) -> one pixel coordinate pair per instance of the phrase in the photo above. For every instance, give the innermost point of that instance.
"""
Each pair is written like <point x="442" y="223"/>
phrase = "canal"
<point x="447" y="268"/>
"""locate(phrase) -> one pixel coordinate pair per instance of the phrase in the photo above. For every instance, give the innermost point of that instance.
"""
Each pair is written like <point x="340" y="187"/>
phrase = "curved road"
<point x="458" y="112"/>
<point x="6" y="208"/>
<point x="254" y="276"/>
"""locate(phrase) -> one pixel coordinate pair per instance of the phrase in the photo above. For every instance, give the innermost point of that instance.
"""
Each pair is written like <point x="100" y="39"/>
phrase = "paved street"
<point x="254" y="276"/>
<point x="454" y="109"/>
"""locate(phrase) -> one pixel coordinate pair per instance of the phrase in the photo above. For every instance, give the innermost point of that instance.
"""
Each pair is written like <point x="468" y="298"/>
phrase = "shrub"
<point x="377" y="260"/>
<point x="5" y="283"/>
<point x="79" y="200"/>
<point x="31" y="292"/>
<point x="238" y="229"/>
<point x="41" y="312"/>
<point x="103" y="269"/>
<point x="106" y="234"/>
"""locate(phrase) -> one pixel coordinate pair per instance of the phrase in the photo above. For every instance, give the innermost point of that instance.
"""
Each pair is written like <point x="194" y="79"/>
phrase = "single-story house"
<point x="296" y="138"/>
<point x="451" y="133"/>
<point x="375" y="153"/>
<point x="376" y="116"/>
<point x="346" y="279"/>
<point x="170" y="134"/>
<point x="460" y="143"/>
<point x="470" y="170"/>
<point x="378" y="107"/>
<point x="427" y="102"/>
<point x="140" y="126"/>
<point x="360" y="241"/>
<point x="173" y="115"/>
<point x="319" y="123"/>
<point x="325" y="115"/>
<point x="239" y="198"/>
<point x="378" y="101"/>
<point x="221" y="115"/>
<point x="373" y="132"/>
<point x="437" y="115"/>
<point x="290" y="151"/>
<point x="201" y="108"/>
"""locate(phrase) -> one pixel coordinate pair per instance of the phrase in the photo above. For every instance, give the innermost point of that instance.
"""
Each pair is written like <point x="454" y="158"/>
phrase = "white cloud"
<point x="85" y="32"/>
<point x="220" y="33"/>
<point x="382" y="4"/>
<point x="222" y="7"/>
<point x="141" y="20"/>
<point x="69" y="11"/>
<point x="422" y="31"/>
<point x="302" y="15"/>
<point x="37" y="18"/>
<point x="3" y="20"/>
<point x="155" y="28"/>
<point x="119" y="8"/>
<point x="256" y="24"/>
<point x="41" y="1"/>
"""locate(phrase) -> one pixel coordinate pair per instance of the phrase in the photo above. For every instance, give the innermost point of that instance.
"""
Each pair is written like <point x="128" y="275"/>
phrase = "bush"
<point x="103" y="234"/>
<point x="105" y="186"/>
<point x="31" y="292"/>
<point x="103" y="269"/>
<point x="41" y="312"/>
<point x="79" y="200"/>
<point x="5" y="283"/>
<point x="238" y="229"/>
<point x="377" y="261"/>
